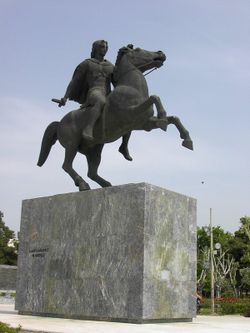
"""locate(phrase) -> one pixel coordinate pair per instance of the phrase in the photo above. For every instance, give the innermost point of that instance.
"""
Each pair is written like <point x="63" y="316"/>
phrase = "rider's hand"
<point x="62" y="102"/>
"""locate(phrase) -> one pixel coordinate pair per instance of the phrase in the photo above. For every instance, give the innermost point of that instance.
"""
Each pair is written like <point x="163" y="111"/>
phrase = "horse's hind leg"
<point x="70" y="153"/>
<point x="123" y="149"/>
<point x="94" y="159"/>
<point x="184" y="134"/>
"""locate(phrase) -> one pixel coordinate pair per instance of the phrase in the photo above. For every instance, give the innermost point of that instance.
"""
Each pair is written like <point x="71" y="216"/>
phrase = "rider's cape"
<point x="79" y="86"/>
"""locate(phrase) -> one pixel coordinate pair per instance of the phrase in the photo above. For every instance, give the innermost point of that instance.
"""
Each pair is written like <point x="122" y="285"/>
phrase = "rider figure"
<point x="90" y="85"/>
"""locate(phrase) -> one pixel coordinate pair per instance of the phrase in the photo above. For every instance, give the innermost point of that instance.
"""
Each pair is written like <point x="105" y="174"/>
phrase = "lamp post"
<point x="211" y="261"/>
<point x="217" y="247"/>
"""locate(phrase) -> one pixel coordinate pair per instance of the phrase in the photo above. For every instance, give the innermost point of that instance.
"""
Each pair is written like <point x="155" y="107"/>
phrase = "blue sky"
<point x="205" y="82"/>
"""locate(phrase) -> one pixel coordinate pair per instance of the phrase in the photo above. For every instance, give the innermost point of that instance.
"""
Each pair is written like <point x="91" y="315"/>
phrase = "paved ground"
<point x="201" y="324"/>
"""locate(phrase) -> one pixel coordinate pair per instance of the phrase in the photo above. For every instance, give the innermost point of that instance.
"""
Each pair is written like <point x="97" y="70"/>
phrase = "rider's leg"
<point x="123" y="149"/>
<point x="94" y="113"/>
<point x="95" y="104"/>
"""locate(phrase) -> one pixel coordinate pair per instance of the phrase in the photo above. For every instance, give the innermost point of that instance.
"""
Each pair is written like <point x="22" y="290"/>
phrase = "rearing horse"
<point x="128" y="107"/>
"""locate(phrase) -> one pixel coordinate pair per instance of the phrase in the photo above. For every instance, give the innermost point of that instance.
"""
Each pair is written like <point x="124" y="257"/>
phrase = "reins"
<point x="135" y="68"/>
<point x="150" y="71"/>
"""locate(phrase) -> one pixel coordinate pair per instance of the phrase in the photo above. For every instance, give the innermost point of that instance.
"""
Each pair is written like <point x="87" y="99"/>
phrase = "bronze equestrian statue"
<point x="89" y="87"/>
<point x="126" y="108"/>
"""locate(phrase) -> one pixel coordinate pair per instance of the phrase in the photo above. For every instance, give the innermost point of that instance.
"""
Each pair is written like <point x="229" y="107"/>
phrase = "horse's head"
<point x="141" y="59"/>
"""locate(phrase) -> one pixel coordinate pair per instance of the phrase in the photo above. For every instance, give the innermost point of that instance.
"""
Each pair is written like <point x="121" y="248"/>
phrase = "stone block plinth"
<point x="123" y="253"/>
<point x="8" y="277"/>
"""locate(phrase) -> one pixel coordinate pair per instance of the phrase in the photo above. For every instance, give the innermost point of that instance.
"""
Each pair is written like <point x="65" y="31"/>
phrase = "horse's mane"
<point x="123" y="50"/>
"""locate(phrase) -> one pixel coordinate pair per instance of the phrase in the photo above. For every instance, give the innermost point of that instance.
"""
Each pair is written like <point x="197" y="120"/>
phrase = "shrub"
<point x="230" y="308"/>
<point x="225" y="306"/>
<point x="247" y="313"/>
<point x="233" y="305"/>
<point x="5" y="328"/>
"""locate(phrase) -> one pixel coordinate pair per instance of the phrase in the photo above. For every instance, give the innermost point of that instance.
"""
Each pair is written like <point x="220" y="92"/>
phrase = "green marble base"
<point x="124" y="253"/>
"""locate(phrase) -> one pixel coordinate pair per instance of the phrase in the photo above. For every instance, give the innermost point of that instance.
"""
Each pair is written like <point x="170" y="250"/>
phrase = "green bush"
<point x="7" y="294"/>
<point x="224" y="306"/>
<point x="232" y="305"/>
<point x="5" y="328"/>
<point x="247" y="313"/>
<point x="206" y="303"/>
<point x="230" y="308"/>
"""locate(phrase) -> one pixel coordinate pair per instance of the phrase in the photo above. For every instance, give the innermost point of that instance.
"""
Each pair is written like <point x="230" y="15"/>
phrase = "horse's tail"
<point x="49" y="139"/>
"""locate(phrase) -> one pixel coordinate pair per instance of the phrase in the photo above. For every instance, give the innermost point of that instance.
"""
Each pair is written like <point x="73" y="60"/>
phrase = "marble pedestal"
<point x="124" y="253"/>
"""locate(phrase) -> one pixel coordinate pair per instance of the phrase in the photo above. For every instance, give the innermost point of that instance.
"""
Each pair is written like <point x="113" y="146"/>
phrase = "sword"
<point x="55" y="100"/>
<point x="58" y="101"/>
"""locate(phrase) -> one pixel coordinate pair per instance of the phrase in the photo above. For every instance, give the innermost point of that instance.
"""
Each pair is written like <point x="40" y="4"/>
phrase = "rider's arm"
<point x="63" y="100"/>
<point x="75" y="83"/>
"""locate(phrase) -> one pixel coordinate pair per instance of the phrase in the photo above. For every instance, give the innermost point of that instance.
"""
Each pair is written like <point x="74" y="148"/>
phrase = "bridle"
<point x="148" y="63"/>
<point x="137" y="68"/>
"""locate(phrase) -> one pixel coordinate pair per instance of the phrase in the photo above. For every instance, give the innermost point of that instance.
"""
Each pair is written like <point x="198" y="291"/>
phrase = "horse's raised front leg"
<point x="184" y="134"/>
<point x="152" y="100"/>
<point x="94" y="159"/>
<point x="70" y="153"/>
<point x="154" y="123"/>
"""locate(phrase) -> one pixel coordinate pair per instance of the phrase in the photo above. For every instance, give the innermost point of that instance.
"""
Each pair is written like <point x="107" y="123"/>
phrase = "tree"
<point x="219" y="235"/>
<point x="202" y="268"/>
<point x="245" y="226"/>
<point x="229" y="262"/>
<point x="8" y="244"/>
<point x="240" y="248"/>
<point x="203" y="255"/>
<point x="245" y="281"/>
<point x="223" y="267"/>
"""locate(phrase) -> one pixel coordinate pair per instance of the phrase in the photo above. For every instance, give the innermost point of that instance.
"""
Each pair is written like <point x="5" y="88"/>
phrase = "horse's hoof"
<point x="125" y="153"/>
<point x="188" y="144"/>
<point x="84" y="186"/>
<point x="106" y="184"/>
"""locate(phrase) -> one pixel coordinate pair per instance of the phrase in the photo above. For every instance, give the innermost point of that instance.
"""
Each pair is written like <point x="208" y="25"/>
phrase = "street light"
<point x="212" y="262"/>
<point x="217" y="247"/>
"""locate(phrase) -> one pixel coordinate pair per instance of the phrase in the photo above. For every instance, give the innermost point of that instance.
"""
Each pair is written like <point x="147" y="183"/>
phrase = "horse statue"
<point x="128" y="107"/>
